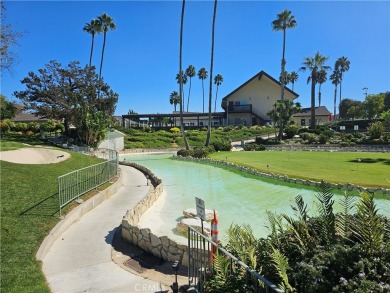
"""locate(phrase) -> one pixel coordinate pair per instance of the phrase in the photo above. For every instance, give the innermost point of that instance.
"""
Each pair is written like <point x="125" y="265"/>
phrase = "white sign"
<point x="200" y="209"/>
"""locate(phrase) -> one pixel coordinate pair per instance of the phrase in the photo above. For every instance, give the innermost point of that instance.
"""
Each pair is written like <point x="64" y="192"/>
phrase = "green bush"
<point x="221" y="145"/>
<point x="376" y="130"/>
<point x="175" y="130"/>
<point x="4" y="127"/>
<point x="185" y="153"/>
<point x="254" y="147"/>
<point x="291" y="131"/>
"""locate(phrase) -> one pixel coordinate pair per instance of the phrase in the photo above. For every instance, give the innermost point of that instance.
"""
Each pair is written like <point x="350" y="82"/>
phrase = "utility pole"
<point x="365" y="89"/>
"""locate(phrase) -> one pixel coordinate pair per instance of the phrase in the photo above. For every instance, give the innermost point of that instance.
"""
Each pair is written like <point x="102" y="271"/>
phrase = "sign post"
<point x="200" y="211"/>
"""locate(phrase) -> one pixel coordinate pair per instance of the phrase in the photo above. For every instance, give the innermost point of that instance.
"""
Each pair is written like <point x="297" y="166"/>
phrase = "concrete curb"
<point x="75" y="214"/>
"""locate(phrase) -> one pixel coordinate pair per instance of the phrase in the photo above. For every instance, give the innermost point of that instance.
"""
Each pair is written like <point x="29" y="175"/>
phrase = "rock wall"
<point x="162" y="246"/>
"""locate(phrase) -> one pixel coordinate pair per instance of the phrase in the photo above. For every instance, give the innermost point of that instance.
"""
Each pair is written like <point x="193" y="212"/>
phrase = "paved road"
<point x="80" y="260"/>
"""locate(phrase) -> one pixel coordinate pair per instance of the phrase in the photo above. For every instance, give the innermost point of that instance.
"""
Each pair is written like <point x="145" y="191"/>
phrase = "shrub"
<point x="185" y="153"/>
<point x="376" y="130"/>
<point x="175" y="130"/>
<point x="33" y="126"/>
<point x="291" y="131"/>
<point x="202" y="152"/>
<point x="254" y="147"/>
<point x="221" y="145"/>
<point x="20" y="127"/>
<point x="4" y="127"/>
<point x="228" y="128"/>
<point x="309" y="137"/>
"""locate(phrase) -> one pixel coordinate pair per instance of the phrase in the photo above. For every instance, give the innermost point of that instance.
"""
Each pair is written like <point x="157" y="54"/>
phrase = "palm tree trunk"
<point x="215" y="103"/>
<point x="203" y="93"/>
<point x="283" y="66"/>
<point x="211" y="76"/>
<point x="319" y="95"/>
<point x="341" y="80"/>
<point x="313" y="102"/>
<point x="90" y="57"/>
<point x="181" y="78"/>
<point x="189" y="92"/>
<point x="335" y="101"/>
<point x="101" y="60"/>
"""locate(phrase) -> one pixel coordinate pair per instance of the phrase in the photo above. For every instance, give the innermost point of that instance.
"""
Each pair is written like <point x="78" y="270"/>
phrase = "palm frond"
<point x="343" y="225"/>
<point x="326" y="224"/>
<point x="281" y="265"/>
<point x="300" y="209"/>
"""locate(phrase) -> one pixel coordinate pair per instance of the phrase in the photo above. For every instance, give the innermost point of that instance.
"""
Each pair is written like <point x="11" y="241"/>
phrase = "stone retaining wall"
<point x="162" y="246"/>
<point x="285" y="178"/>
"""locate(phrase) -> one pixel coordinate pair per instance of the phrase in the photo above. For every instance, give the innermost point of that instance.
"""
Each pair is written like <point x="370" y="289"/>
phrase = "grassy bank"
<point x="338" y="167"/>
<point x="29" y="210"/>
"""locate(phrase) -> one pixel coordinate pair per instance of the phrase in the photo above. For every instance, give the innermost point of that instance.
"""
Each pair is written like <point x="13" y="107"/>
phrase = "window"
<point x="303" y="121"/>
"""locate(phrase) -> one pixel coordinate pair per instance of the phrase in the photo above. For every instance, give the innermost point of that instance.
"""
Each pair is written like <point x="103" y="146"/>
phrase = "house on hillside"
<point x="323" y="116"/>
<point x="28" y="117"/>
<point x="250" y="102"/>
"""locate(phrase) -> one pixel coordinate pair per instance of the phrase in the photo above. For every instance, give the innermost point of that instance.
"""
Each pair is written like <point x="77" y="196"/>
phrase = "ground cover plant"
<point x="337" y="167"/>
<point x="344" y="252"/>
<point x="29" y="210"/>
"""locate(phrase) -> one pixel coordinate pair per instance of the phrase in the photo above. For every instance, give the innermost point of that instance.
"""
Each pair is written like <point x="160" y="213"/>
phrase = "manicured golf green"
<point x="360" y="168"/>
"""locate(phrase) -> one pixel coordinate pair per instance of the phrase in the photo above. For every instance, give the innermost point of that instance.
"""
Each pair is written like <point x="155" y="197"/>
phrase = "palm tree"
<point x="190" y="72"/>
<point x="335" y="78"/>
<point x="218" y="79"/>
<point x="202" y="74"/>
<point x="183" y="80"/>
<point x="174" y="99"/>
<point x="293" y="78"/>
<point x="284" y="21"/>
<point x="211" y="74"/>
<point x="181" y="75"/>
<point x="106" y="23"/>
<point x="342" y="64"/>
<point x="314" y="64"/>
<point x="92" y="28"/>
<point x="321" y="78"/>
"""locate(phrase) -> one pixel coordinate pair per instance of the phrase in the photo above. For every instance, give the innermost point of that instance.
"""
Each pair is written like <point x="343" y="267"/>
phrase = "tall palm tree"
<point x="321" y="78"/>
<point x="174" y="99"/>
<point x="182" y="81"/>
<point x="335" y="78"/>
<point x="343" y="66"/>
<point x="284" y="21"/>
<point x="107" y="23"/>
<point x="293" y="78"/>
<point x="218" y="79"/>
<point x="180" y="75"/>
<point x="314" y="64"/>
<point x="92" y="28"/>
<point x="211" y="74"/>
<point x="190" y="72"/>
<point x="202" y="74"/>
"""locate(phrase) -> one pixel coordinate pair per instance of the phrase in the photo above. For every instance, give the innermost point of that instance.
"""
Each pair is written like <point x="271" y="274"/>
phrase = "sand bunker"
<point x="34" y="156"/>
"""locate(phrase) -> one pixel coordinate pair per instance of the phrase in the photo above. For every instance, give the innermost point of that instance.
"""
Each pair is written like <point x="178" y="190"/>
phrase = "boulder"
<point x="182" y="226"/>
<point x="191" y="213"/>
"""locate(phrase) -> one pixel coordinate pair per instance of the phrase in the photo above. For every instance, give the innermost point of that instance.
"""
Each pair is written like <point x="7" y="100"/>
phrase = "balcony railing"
<point x="240" y="108"/>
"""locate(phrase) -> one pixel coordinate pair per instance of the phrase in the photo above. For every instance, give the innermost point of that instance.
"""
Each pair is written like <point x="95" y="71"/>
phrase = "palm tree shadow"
<point x="47" y="207"/>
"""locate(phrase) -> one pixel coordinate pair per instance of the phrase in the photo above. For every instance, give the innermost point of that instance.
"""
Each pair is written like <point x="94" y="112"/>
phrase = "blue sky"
<point x="141" y="56"/>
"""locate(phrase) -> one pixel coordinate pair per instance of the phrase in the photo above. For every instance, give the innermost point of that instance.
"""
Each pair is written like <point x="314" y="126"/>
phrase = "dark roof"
<point x="259" y="76"/>
<point x="28" y="117"/>
<point x="319" y="111"/>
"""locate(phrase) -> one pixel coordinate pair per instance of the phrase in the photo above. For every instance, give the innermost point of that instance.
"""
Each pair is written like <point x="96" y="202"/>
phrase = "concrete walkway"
<point x="80" y="259"/>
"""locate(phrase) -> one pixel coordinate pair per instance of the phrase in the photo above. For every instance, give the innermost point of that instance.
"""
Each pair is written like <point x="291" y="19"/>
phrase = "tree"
<point x="387" y="101"/>
<point x="335" y="78"/>
<point x="211" y="75"/>
<point x="314" y="64"/>
<point x="385" y="116"/>
<point x="181" y="75"/>
<point x="174" y="99"/>
<point x="190" y="72"/>
<point x="182" y="80"/>
<point x="355" y="112"/>
<point x="218" y="79"/>
<point x="9" y="38"/>
<point x="202" y="74"/>
<point x="346" y="105"/>
<point x="93" y="28"/>
<point x="293" y="78"/>
<point x="7" y="109"/>
<point x="342" y="64"/>
<point x="373" y="106"/>
<point x="281" y="114"/>
<point x="284" y="21"/>
<point x="106" y="24"/>
<point x="321" y="78"/>
<point x="68" y="94"/>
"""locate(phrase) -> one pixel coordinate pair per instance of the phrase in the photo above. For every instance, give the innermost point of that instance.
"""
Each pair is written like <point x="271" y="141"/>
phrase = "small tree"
<point x="376" y="130"/>
<point x="373" y="106"/>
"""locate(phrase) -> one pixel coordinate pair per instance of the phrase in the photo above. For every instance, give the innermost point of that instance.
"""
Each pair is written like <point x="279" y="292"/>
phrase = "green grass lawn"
<point x="29" y="210"/>
<point x="336" y="167"/>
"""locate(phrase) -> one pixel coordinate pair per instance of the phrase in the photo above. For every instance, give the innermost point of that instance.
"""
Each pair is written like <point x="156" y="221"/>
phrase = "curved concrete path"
<point x="80" y="259"/>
